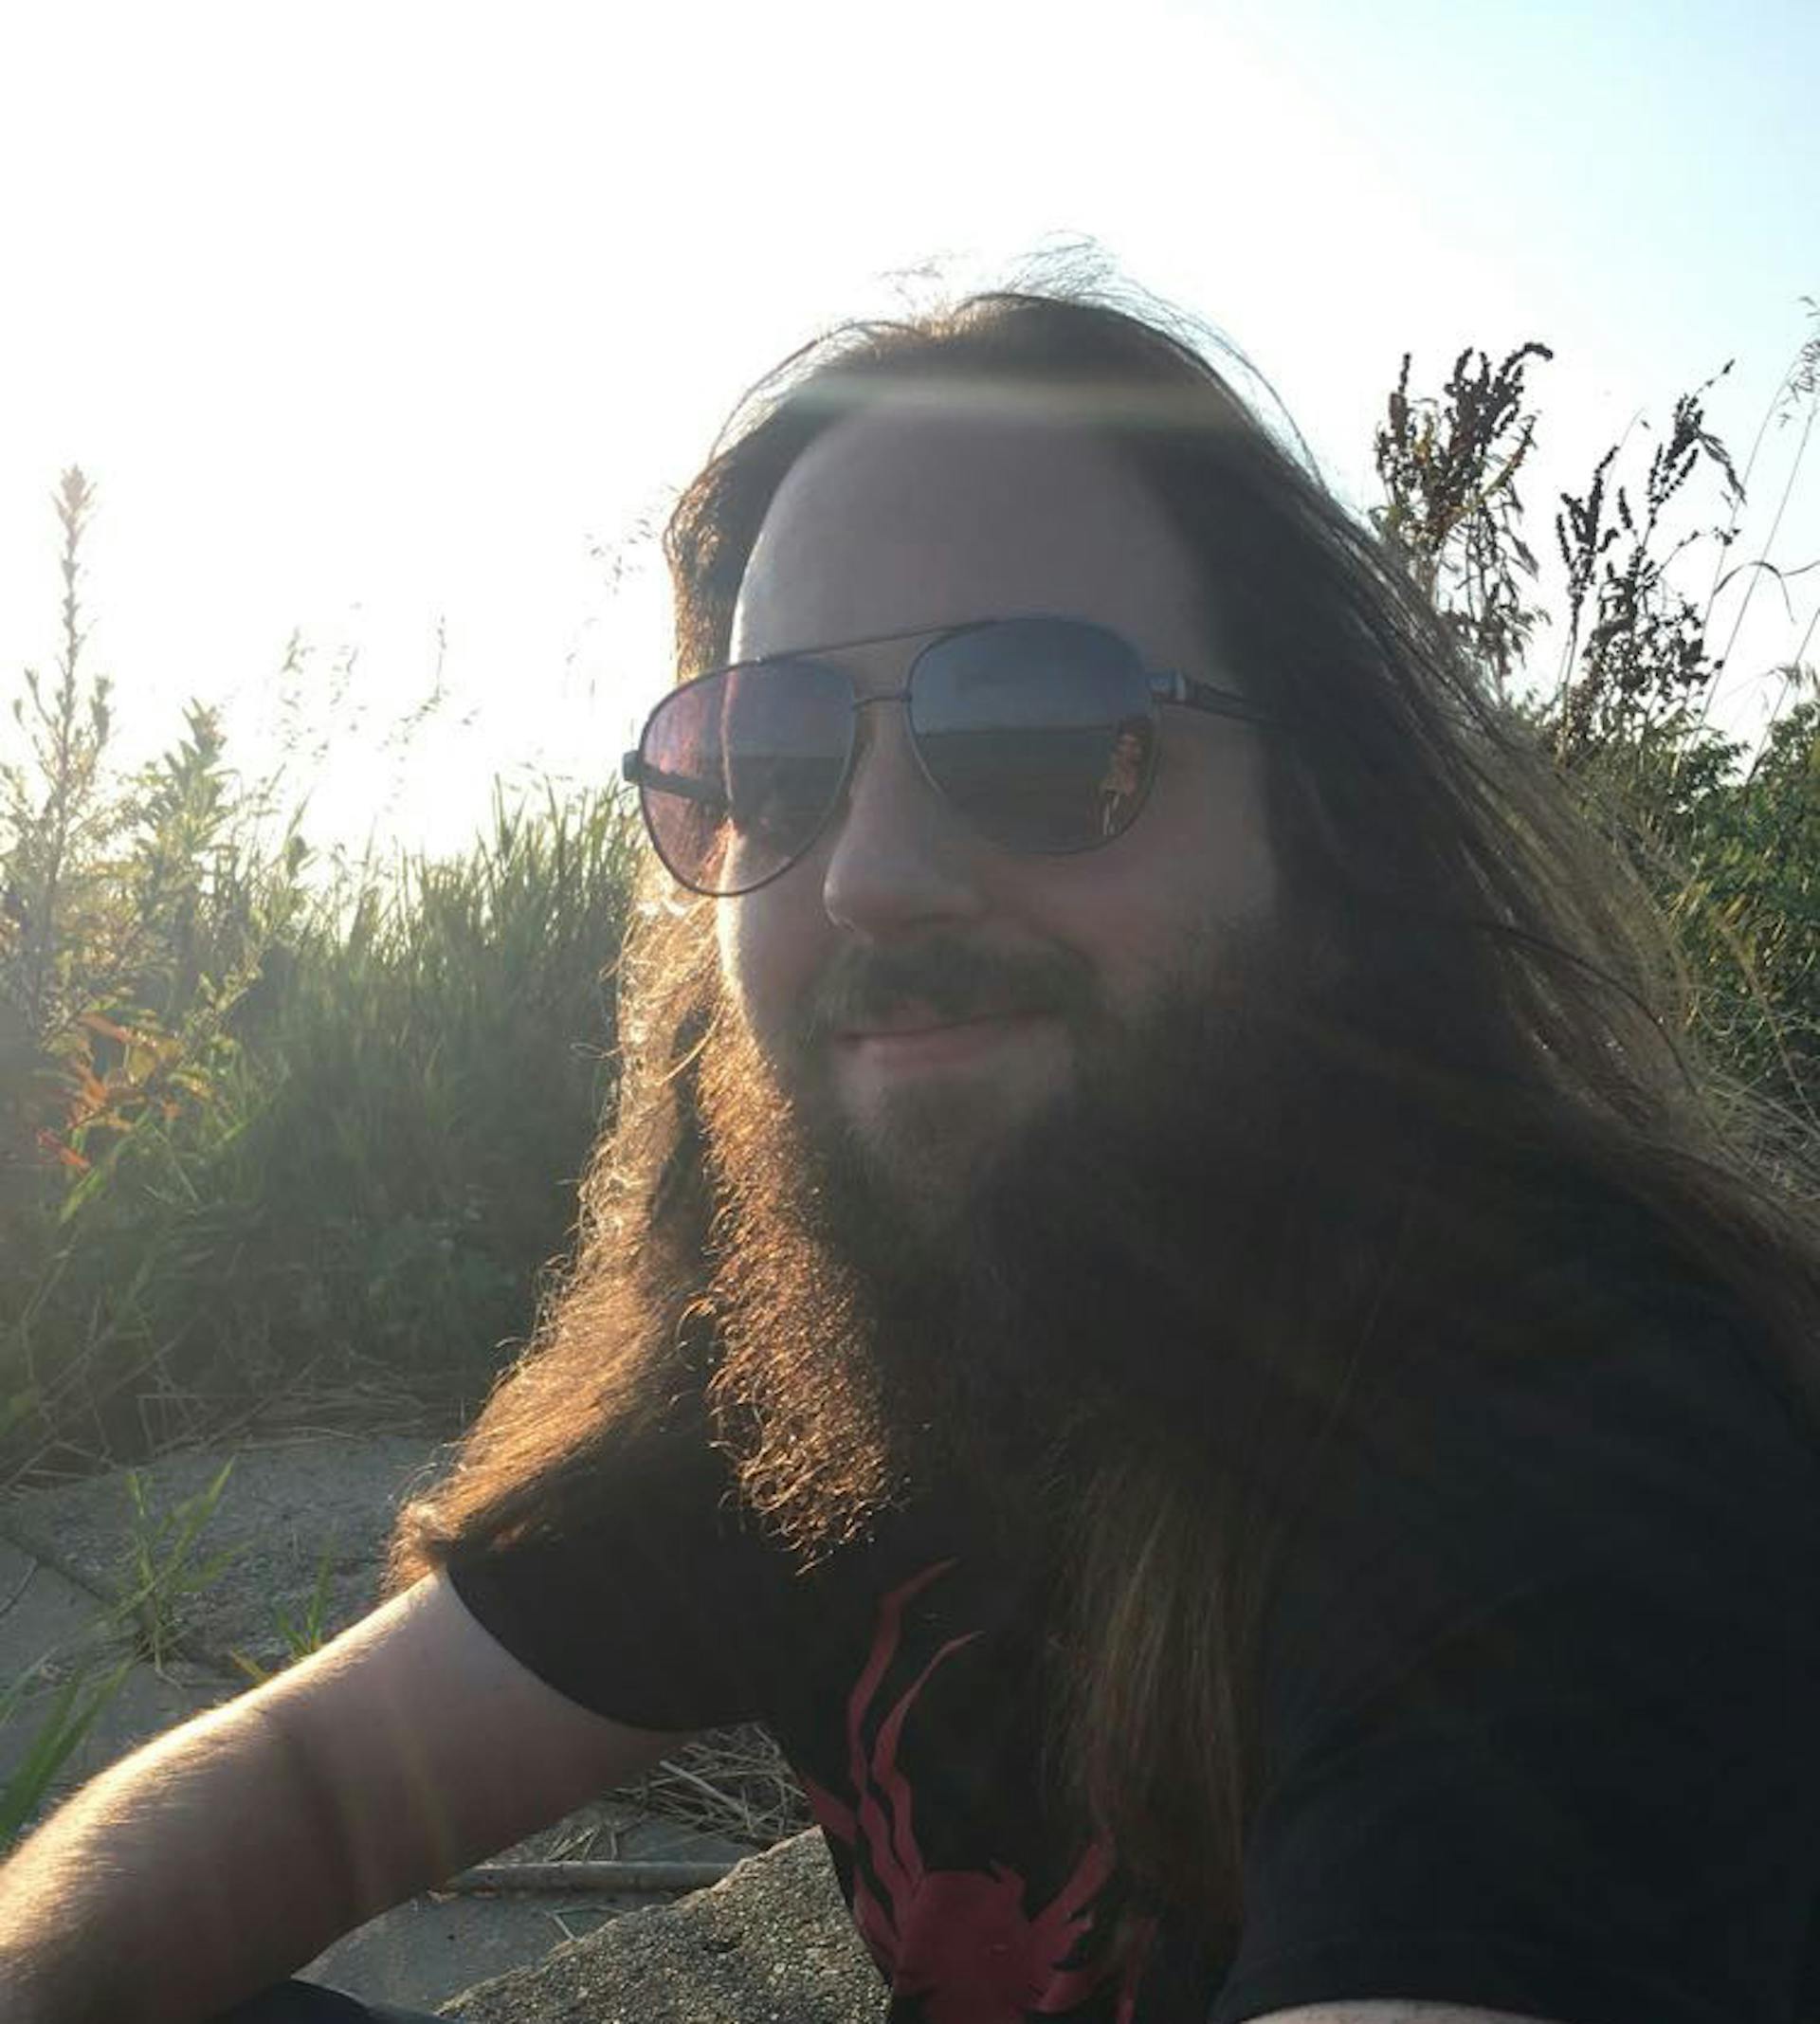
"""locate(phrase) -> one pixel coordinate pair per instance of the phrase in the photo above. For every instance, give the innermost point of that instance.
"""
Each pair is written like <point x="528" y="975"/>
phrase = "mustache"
<point x="952" y="976"/>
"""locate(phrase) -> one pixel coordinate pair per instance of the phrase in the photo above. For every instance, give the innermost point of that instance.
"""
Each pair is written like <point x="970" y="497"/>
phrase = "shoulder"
<point x="1599" y="1374"/>
<point x="1543" y="1642"/>
<point x="1611" y="1438"/>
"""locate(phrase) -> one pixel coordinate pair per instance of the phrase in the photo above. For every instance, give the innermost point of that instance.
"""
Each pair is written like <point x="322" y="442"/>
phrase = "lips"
<point x="925" y="1019"/>
<point x="939" y="982"/>
<point x="918" y="1044"/>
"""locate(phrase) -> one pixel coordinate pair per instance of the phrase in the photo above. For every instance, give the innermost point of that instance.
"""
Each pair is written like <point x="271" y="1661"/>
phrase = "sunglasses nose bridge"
<point x="894" y="853"/>
<point x="858" y="740"/>
<point x="857" y="752"/>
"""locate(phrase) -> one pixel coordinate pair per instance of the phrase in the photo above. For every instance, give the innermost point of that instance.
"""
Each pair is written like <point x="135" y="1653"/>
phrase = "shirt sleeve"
<point x="654" y="1600"/>
<point x="1538" y="1697"/>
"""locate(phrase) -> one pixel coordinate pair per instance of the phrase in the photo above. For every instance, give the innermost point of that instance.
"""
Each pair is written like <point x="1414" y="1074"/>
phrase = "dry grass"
<point x="729" y="1781"/>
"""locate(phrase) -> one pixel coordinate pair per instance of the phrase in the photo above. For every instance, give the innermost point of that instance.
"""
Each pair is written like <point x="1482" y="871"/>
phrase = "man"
<point x="1206" y="1371"/>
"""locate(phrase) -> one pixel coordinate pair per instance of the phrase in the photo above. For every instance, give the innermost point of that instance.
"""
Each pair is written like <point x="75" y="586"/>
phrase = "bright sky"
<point x="388" y="324"/>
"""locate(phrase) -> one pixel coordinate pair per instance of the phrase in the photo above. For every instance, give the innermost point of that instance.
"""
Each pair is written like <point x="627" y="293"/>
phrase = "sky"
<point x="387" y="331"/>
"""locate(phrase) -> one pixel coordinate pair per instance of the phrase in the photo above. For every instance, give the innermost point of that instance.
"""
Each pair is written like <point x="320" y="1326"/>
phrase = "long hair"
<point x="1516" y="1001"/>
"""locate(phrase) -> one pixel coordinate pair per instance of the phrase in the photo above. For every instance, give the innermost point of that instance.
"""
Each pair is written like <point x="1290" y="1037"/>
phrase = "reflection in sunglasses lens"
<point x="1037" y="729"/>
<point x="741" y="769"/>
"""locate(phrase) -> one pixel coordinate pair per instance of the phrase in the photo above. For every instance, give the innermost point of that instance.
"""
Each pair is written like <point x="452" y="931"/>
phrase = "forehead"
<point x="897" y="520"/>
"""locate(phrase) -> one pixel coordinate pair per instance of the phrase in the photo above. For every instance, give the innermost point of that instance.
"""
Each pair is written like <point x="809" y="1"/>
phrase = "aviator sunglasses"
<point x="1041" y="733"/>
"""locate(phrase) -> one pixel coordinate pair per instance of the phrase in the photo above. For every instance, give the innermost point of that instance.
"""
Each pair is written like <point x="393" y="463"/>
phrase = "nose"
<point x="900" y="859"/>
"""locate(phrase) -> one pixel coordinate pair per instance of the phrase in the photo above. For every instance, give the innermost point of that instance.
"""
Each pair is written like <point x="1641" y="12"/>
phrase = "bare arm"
<point x="224" y="1855"/>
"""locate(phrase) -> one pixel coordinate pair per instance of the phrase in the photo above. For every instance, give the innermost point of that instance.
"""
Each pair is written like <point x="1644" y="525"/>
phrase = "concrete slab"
<point x="41" y="1611"/>
<point x="773" y="1944"/>
<point x="53" y="1630"/>
<point x="287" y="1511"/>
<point x="146" y="1706"/>
<point x="423" y="1953"/>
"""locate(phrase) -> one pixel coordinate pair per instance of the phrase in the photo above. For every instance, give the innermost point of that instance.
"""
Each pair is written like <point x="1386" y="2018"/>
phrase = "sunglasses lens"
<point x="1039" y="730"/>
<point x="740" y="769"/>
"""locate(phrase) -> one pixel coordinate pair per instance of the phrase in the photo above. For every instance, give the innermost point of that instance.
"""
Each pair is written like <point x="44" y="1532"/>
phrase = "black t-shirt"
<point x="1540" y="1678"/>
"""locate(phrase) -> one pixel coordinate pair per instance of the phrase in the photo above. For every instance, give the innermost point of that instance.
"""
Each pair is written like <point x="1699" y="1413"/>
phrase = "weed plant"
<point x="1729" y="851"/>
<point x="301" y="1635"/>
<point x="159" y="1574"/>
<point x="163" y="1574"/>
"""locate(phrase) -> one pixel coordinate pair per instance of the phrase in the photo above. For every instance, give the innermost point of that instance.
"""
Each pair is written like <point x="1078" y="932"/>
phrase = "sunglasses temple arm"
<point x="686" y="787"/>
<point x="1169" y="687"/>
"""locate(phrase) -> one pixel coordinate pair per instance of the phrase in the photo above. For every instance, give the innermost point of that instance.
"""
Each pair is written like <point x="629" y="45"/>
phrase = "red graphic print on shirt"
<point x="961" y="1940"/>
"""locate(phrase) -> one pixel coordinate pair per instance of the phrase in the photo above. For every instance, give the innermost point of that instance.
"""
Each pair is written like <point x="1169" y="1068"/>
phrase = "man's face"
<point x="969" y="987"/>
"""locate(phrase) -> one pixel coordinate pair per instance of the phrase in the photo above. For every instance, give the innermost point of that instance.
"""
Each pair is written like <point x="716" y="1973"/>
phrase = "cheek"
<point x="1153" y="906"/>
<point x="1213" y="833"/>
<point x="1201" y="848"/>
<point x="768" y="950"/>
<point x="1243" y="875"/>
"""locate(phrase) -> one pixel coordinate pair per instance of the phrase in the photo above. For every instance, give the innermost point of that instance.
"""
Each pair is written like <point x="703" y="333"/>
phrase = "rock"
<point x="771" y="1943"/>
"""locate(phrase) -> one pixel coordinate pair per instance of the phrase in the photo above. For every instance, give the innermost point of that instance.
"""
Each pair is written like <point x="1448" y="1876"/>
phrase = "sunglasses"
<point x="1041" y="733"/>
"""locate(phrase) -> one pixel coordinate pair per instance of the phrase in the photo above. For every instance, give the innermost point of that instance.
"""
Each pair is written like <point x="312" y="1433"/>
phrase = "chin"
<point x="934" y="1150"/>
<point x="994" y="1094"/>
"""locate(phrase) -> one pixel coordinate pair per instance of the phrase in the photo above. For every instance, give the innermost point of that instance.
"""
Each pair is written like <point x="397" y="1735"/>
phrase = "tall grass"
<point x="270" y="1145"/>
<point x="365" y="1184"/>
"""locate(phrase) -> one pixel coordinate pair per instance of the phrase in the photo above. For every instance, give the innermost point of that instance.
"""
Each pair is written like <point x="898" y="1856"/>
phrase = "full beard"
<point x="1129" y="1266"/>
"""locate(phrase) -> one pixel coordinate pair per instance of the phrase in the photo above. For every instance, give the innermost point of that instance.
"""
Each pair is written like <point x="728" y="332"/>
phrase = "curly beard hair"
<point x="1108" y="1280"/>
